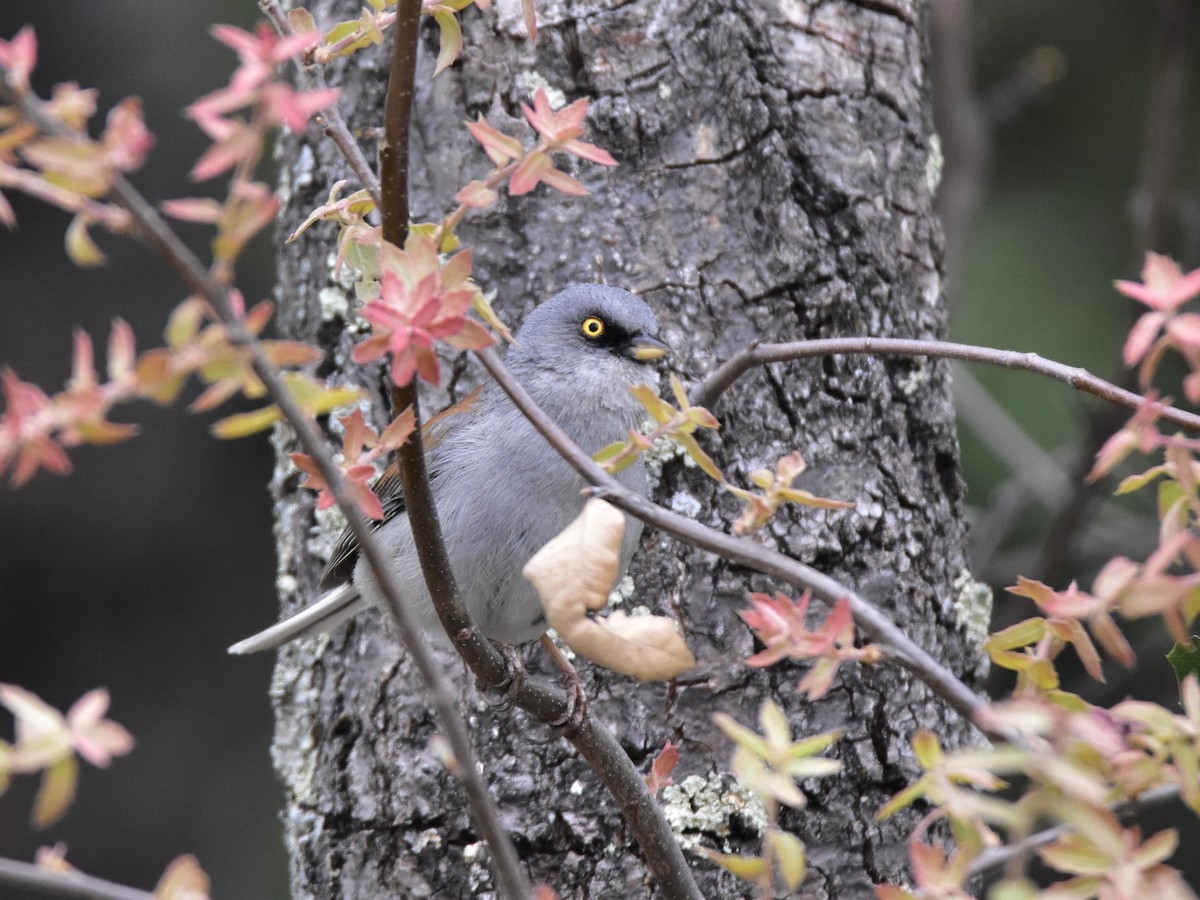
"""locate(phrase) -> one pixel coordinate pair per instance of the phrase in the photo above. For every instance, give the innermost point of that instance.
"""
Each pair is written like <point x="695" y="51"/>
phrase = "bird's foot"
<point x="512" y="682"/>
<point x="577" y="702"/>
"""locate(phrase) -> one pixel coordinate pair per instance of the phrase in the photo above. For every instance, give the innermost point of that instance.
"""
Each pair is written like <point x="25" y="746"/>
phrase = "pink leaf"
<point x="18" y="57"/>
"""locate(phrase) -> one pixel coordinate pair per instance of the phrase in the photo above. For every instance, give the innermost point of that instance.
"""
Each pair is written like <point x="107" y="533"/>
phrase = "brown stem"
<point x="414" y="477"/>
<point x="708" y="391"/>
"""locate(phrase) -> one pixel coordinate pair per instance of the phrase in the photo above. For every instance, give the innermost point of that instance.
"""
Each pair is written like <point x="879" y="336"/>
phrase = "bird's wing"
<point x="388" y="489"/>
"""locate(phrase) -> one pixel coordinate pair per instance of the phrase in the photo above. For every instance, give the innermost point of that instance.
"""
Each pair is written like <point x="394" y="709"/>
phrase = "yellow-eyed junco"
<point x="501" y="490"/>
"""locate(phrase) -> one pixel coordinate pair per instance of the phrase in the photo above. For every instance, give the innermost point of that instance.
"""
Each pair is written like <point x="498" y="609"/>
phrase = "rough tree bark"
<point x="777" y="164"/>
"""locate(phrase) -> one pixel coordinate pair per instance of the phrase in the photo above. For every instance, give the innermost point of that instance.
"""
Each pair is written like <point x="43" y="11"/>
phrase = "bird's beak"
<point x="645" y="348"/>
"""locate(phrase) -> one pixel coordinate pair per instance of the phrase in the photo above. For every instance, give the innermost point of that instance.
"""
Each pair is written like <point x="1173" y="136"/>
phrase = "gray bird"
<point x="501" y="491"/>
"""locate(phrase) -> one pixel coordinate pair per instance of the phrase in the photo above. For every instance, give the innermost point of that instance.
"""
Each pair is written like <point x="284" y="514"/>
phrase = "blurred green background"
<point x="136" y="572"/>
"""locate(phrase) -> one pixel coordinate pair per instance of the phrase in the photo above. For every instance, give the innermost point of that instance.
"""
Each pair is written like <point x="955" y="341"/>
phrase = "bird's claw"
<point x="513" y="681"/>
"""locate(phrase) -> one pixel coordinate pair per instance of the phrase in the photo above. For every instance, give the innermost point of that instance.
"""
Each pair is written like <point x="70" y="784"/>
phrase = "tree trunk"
<point x="777" y="164"/>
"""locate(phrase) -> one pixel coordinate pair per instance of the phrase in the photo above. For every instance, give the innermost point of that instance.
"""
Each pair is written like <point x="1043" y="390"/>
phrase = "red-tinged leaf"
<point x="301" y="20"/>
<point x="39" y="453"/>
<point x="81" y="249"/>
<point x="590" y="152"/>
<point x="806" y="499"/>
<point x="451" y="40"/>
<point x="660" y="770"/>
<point x="72" y="163"/>
<point x="818" y="680"/>
<point x="7" y="216"/>
<point x="356" y="435"/>
<point x="457" y="270"/>
<point x="183" y="879"/>
<point x="398" y="431"/>
<point x="1185" y="330"/>
<point x="94" y="737"/>
<point x="1164" y="287"/>
<point x="241" y="144"/>
<point x="476" y="195"/>
<point x="530" y="15"/>
<point x="121" y="351"/>
<point x="126" y="139"/>
<point x="282" y="104"/>
<point x="557" y="127"/>
<point x="194" y="209"/>
<point x="367" y="502"/>
<point x="18" y="57"/>
<point x="473" y="336"/>
<point x="55" y="792"/>
<point x="499" y="147"/>
<point x="1142" y="336"/>
<point x="527" y="175"/>
<point x="563" y="182"/>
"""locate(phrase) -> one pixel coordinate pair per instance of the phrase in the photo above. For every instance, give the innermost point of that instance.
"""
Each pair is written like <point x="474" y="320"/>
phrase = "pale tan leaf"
<point x="574" y="573"/>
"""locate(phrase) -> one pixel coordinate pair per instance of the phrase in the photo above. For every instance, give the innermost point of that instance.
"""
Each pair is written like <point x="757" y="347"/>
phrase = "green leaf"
<point x="451" y="40"/>
<point x="1169" y="494"/>
<point x="702" y="459"/>
<point x="750" y="868"/>
<point x="789" y="856"/>
<point x="80" y="247"/>
<point x="1185" y="659"/>
<point x="247" y="423"/>
<point x="56" y="792"/>
<point x="1137" y="482"/>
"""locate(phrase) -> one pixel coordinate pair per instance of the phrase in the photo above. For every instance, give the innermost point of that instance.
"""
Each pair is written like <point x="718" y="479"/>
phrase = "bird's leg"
<point x="514" y="676"/>
<point x="577" y="702"/>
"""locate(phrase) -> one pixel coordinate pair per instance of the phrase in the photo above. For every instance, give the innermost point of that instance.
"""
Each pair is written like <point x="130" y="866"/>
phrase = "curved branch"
<point x="871" y="620"/>
<point x="711" y="388"/>
<point x="72" y="885"/>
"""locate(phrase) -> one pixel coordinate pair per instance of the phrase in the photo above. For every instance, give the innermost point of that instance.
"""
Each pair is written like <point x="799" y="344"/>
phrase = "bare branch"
<point x="710" y="389"/>
<point x="73" y="885"/>
<point x="899" y="647"/>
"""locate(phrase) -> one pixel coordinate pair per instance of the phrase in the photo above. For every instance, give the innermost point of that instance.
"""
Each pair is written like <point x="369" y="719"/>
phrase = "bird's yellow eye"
<point x="592" y="327"/>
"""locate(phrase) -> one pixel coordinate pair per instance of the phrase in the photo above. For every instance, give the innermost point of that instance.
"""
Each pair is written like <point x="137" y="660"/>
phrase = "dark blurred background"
<point x="140" y="568"/>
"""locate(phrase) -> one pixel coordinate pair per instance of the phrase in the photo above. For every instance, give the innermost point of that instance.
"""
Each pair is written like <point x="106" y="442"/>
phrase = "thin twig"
<point x="313" y="77"/>
<point x="708" y="391"/>
<point x="161" y="238"/>
<point x="899" y="647"/>
<point x="996" y="857"/>
<point x="73" y="885"/>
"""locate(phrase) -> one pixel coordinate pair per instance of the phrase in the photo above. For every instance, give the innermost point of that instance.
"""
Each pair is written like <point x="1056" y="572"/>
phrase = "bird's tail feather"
<point x="330" y="610"/>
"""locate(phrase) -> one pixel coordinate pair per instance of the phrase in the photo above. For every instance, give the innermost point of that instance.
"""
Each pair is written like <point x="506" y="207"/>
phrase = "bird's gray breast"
<point x="514" y="495"/>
